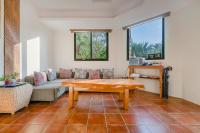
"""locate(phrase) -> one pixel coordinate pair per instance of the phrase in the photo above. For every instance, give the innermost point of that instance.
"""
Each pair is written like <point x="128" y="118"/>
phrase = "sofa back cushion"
<point x="40" y="78"/>
<point x="30" y="79"/>
<point x="108" y="73"/>
<point x="44" y="74"/>
<point x="65" y="73"/>
<point x="51" y="74"/>
<point x="80" y="73"/>
<point x="94" y="74"/>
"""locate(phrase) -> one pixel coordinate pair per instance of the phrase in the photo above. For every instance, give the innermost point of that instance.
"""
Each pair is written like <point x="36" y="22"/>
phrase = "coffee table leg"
<point x="121" y="96"/>
<point x="71" y="97"/>
<point x="75" y="95"/>
<point x="126" y="99"/>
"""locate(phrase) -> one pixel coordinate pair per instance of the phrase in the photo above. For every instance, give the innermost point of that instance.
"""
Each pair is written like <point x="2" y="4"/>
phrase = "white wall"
<point x="31" y="28"/>
<point x="189" y="36"/>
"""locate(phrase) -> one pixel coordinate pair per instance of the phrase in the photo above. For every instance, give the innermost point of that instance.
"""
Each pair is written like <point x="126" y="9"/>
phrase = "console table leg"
<point x="71" y="97"/>
<point x="126" y="99"/>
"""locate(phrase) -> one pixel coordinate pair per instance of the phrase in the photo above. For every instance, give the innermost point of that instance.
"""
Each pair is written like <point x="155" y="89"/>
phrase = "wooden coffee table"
<point x="102" y="85"/>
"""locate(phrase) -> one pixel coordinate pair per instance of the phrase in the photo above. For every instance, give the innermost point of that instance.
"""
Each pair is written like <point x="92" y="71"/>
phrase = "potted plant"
<point x="10" y="80"/>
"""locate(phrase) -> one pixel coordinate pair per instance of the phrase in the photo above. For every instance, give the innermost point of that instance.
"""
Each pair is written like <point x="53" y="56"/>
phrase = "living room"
<point x="47" y="38"/>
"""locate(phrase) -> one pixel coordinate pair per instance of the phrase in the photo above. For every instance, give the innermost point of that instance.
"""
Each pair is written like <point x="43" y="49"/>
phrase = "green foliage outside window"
<point x="91" y="46"/>
<point x="144" y="49"/>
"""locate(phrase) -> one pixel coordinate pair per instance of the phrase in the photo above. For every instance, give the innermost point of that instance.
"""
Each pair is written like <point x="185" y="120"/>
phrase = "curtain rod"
<point x="142" y="21"/>
<point x="91" y="30"/>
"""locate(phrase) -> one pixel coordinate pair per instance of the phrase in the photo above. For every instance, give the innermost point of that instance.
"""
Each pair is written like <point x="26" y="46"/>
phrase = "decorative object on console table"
<point x="131" y="70"/>
<point x="138" y="61"/>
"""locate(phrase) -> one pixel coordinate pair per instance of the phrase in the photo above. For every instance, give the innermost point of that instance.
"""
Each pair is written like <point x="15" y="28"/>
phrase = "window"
<point x="91" y="46"/>
<point x="146" y="40"/>
<point x="33" y="55"/>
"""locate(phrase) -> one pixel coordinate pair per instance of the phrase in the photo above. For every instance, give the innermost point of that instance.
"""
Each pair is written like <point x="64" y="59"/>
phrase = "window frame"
<point x="91" y="44"/>
<point x="163" y="40"/>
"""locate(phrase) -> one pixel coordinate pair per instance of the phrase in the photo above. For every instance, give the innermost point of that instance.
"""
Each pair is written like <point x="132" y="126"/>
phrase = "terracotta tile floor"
<point x="103" y="113"/>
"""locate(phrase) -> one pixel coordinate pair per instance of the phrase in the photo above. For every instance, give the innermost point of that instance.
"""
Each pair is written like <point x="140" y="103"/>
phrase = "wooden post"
<point x="71" y="97"/>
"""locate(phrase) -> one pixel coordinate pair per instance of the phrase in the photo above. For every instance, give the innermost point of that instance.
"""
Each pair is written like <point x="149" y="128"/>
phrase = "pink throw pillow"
<point x="94" y="74"/>
<point x="39" y="79"/>
<point x="65" y="73"/>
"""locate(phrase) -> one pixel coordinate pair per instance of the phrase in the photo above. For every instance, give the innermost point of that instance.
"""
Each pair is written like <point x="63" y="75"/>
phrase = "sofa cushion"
<point x="49" y="85"/>
<point x="65" y="73"/>
<point x="51" y="74"/>
<point x="108" y="73"/>
<point x="44" y="74"/>
<point x="80" y="73"/>
<point x="39" y="78"/>
<point x="30" y="79"/>
<point x="94" y="74"/>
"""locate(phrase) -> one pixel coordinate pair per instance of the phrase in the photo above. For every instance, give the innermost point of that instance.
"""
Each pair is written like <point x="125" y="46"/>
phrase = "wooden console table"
<point x="131" y="69"/>
<point x="102" y="85"/>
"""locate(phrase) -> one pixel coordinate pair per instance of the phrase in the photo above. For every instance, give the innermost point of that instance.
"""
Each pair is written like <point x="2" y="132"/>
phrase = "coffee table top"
<point x="114" y="83"/>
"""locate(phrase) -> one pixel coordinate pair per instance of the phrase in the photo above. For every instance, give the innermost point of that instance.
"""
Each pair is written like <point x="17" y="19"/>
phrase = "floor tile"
<point x="61" y="118"/>
<point x="42" y="119"/>
<point x="96" y="128"/>
<point x="176" y="128"/>
<point x="33" y="128"/>
<point x="55" y="128"/>
<point x="185" y="119"/>
<point x="110" y="109"/>
<point x="114" y="119"/>
<point x="96" y="109"/>
<point x="166" y="118"/>
<point x="96" y="102"/>
<point x="78" y="119"/>
<point x="26" y="118"/>
<point x="131" y="119"/>
<point x="138" y="129"/>
<point x="109" y="103"/>
<point x="13" y="128"/>
<point x="194" y="128"/>
<point x="3" y="126"/>
<point x="96" y="119"/>
<point x="76" y="128"/>
<point x="159" y="128"/>
<point x="117" y="129"/>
